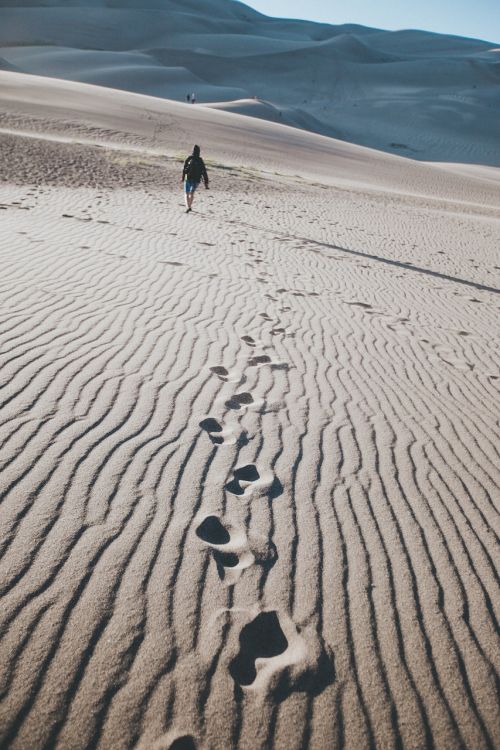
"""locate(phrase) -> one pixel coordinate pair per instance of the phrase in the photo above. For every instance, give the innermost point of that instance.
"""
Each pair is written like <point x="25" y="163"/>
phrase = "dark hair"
<point x="196" y="151"/>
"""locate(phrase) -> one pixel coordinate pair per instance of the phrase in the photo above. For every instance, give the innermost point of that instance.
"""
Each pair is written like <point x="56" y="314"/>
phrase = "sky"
<point x="474" y="18"/>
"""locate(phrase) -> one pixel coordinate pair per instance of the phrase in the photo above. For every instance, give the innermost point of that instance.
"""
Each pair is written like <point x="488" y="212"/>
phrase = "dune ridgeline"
<point x="414" y="93"/>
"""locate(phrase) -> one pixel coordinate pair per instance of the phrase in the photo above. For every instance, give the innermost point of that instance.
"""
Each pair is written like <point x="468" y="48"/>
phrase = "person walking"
<point x="193" y="172"/>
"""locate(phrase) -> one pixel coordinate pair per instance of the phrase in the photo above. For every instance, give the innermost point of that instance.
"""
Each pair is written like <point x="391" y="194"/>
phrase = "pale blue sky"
<point x="475" y="18"/>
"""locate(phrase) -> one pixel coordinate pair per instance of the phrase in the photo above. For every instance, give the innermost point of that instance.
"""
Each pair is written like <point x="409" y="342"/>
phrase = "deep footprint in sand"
<point x="213" y="429"/>
<point x="248" y="479"/>
<point x="233" y="551"/>
<point x="243" y="477"/>
<point x="262" y="638"/>
<point x="275" y="655"/>
<point x="224" y="560"/>
<point x="212" y="531"/>
<point x="239" y="400"/>
<point x="223" y="435"/>
<point x="231" y="565"/>
<point x="183" y="743"/>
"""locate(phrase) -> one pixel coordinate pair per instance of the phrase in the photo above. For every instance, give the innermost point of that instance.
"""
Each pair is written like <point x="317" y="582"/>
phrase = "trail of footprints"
<point x="274" y="654"/>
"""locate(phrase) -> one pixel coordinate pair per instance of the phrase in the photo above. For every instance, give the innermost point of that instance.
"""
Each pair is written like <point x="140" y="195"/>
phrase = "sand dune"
<point x="413" y="93"/>
<point x="33" y="104"/>
<point x="249" y="457"/>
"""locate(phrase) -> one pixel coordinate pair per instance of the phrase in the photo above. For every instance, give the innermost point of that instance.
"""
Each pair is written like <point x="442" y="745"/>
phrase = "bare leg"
<point x="190" y="197"/>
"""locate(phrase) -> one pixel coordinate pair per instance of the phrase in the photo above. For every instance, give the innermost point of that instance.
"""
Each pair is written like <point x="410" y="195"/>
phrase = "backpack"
<point x="194" y="169"/>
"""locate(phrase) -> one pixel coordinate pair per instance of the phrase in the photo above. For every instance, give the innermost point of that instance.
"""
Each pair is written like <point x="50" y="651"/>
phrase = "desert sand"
<point x="410" y="92"/>
<point x="249" y="456"/>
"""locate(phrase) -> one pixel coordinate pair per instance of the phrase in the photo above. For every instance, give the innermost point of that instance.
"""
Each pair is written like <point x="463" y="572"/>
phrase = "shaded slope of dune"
<point x="427" y="96"/>
<point x="249" y="457"/>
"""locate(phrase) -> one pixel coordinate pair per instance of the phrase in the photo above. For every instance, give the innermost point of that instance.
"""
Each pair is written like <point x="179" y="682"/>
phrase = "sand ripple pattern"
<point x="249" y="485"/>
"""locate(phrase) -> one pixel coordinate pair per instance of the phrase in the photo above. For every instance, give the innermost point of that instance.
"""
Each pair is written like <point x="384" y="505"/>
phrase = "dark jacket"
<point x="195" y="170"/>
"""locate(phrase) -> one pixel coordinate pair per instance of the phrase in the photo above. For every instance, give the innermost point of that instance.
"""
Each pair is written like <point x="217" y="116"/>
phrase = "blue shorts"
<point x="190" y="187"/>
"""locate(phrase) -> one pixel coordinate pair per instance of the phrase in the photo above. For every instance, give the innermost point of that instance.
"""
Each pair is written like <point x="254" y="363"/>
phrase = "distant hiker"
<point x="193" y="98"/>
<point x="194" y="170"/>
<point x="188" y="98"/>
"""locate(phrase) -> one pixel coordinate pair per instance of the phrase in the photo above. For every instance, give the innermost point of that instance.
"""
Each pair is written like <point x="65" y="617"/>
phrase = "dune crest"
<point x="413" y="93"/>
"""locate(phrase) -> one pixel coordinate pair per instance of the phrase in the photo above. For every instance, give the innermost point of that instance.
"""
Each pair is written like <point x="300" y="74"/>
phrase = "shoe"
<point x="188" y="210"/>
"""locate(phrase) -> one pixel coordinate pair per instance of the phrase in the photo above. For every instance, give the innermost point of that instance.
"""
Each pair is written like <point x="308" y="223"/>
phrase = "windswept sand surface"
<point x="250" y="465"/>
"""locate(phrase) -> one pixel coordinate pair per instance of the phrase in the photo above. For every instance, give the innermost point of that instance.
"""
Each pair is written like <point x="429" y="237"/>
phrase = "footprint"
<point x="183" y="743"/>
<point x="220" y="371"/>
<point x="242" y="477"/>
<point x="248" y="479"/>
<point x="239" y="400"/>
<point x="262" y="359"/>
<point x="214" y="430"/>
<point x="278" y="657"/>
<point x="249" y="340"/>
<point x="219" y="435"/>
<point x="225" y="560"/>
<point x="233" y="551"/>
<point x="212" y="531"/>
<point x="262" y="638"/>
<point x="224" y="374"/>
